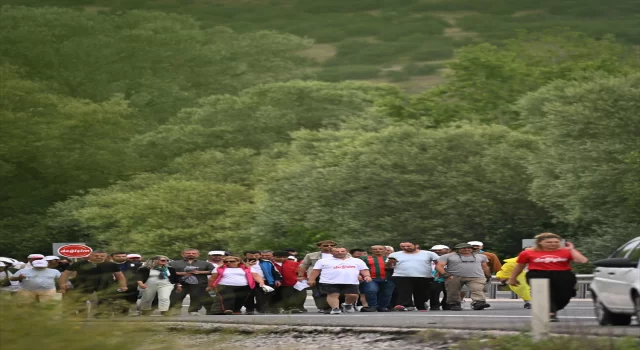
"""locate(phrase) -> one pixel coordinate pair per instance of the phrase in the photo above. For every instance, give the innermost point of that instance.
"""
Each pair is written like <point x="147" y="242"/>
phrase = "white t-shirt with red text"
<point x="339" y="271"/>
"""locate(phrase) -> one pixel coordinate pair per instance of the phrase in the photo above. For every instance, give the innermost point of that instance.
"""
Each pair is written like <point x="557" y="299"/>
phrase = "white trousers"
<point x="162" y="289"/>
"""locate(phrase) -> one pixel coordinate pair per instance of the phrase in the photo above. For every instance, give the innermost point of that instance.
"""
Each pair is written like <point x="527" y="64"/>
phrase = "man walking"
<point x="194" y="276"/>
<point x="379" y="291"/>
<point x="129" y="269"/>
<point x="38" y="284"/>
<point x="291" y="299"/>
<point x="339" y="275"/>
<point x="94" y="281"/>
<point x="438" y="286"/>
<point x="267" y="302"/>
<point x="412" y="275"/>
<point x="464" y="267"/>
<point x="306" y="267"/>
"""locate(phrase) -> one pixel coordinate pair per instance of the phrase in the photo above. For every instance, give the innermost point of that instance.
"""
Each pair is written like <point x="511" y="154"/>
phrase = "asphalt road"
<point x="504" y="314"/>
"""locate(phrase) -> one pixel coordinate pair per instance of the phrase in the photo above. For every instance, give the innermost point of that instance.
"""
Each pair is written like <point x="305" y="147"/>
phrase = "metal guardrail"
<point x="581" y="292"/>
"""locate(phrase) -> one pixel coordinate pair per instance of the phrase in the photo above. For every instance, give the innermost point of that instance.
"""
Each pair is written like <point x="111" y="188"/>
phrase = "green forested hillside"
<point x="150" y="126"/>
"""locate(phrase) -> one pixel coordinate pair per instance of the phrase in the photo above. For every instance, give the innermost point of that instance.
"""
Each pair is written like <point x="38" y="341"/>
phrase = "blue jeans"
<point x="378" y="293"/>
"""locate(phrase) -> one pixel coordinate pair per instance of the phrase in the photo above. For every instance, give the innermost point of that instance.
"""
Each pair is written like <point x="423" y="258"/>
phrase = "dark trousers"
<point x="267" y="302"/>
<point x="291" y="298"/>
<point x="378" y="293"/>
<point x="198" y="294"/>
<point x="562" y="287"/>
<point x="413" y="291"/>
<point x="434" y="295"/>
<point x="250" y="302"/>
<point x="233" y="297"/>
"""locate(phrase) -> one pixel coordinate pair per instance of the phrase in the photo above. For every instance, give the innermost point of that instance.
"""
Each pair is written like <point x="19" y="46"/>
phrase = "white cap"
<point x="476" y="243"/>
<point x="438" y="247"/>
<point x="51" y="257"/>
<point x="40" y="263"/>
<point x="129" y="256"/>
<point x="291" y="257"/>
<point x="217" y="252"/>
<point x="2" y="264"/>
<point x="35" y="256"/>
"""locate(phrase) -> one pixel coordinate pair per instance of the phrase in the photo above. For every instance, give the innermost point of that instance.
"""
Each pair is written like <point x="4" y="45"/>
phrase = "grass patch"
<point x="525" y="342"/>
<point x="39" y="327"/>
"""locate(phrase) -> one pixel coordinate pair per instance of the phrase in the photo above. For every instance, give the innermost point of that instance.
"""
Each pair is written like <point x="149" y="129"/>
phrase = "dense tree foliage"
<point x="150" y="132"/>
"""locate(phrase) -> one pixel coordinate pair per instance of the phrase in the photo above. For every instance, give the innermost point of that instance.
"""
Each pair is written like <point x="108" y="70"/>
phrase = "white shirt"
<point x="326" y="256"/>
<point x="415" y="264"/>
<point x="257" y="269"/>
<point x="339" y="271"/>
<point x="234" y="276"/>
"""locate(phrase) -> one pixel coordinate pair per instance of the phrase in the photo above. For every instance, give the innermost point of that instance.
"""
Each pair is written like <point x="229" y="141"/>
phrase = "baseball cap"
<point x="51" y="257"/>
<point x="40" y="263"/>
<point x="35" y="256"/>
<point x="217" y="252"/>
<point x="129" y="256"/>
<point x="439" y="246"/>
<point x="475" y="243"/>
<point x="2" y="264"/>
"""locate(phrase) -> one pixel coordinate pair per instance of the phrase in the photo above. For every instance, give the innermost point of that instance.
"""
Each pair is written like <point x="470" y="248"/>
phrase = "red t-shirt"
<point x="555" y="260"/>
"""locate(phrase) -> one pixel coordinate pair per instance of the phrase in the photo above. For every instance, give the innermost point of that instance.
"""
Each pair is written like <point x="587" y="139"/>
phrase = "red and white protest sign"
<point x="74" y="251"/>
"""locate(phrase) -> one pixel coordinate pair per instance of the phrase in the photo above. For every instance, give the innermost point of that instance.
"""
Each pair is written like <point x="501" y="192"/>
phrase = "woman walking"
<point x="155" y="277"/>
<point x="233" y="283"/>
<point x="548" y="259"/>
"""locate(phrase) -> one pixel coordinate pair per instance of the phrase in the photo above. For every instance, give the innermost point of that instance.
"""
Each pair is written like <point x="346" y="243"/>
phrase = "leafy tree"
<point x="201" y="200"/>
<point x="587" y="171"/>
<point x="160" y="62"/>
<point x="485" y="80"/>
<point x="260" y="117"/>
<point x="440" y="186"/>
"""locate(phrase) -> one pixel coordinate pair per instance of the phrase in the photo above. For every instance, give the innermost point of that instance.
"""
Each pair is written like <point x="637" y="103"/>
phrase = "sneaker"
<point x="194" y="314"/>
<point x="479" y="305"/>
<point x="348" y="308"/>
<point x="384" y="310"/>
<point x="411" y="308"/>
<point x="336" y="311"/>
<point x="322" y="311"/>
<point x="455" y="307"/>
<point x="553" y="318"/>
<point x="228" y="312"/>
<point x="368" y="309"/>
<point x="250" y="313"/>
<point x="304" y="310"/>
<point x="527" y="305"/>
<point x="400" y="308"/>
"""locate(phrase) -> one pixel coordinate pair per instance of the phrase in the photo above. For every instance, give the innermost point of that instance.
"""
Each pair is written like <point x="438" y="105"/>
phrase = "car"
<point x="615" y="288"/>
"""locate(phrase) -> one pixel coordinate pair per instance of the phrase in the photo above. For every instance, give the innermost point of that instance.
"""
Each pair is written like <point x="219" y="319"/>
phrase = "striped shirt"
<point x="376" y="266"/>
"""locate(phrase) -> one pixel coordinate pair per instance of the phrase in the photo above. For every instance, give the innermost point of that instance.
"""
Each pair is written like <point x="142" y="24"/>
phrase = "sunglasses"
<point x="231" y="261"/>
<point x="164" y="260"/>
<point x="328" y="245"/>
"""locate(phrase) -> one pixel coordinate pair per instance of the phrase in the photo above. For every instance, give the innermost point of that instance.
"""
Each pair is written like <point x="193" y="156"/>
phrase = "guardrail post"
<point x="493" y="290"/>
<point x="540" y="309"/>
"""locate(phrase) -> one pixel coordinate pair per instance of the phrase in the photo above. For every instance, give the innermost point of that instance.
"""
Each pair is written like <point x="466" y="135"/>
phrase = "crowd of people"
<point x="266" y="282"/>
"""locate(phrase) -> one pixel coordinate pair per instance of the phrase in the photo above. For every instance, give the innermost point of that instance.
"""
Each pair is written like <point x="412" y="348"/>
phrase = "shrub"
<point x="341" y="73"/>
